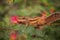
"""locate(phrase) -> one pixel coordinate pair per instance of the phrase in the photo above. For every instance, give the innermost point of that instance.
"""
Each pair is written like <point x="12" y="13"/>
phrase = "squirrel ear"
<point x="44" y="13"/>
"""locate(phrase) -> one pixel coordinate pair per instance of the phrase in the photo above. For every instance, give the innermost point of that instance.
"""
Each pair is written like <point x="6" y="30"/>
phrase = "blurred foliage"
<point x="28" y="8"/>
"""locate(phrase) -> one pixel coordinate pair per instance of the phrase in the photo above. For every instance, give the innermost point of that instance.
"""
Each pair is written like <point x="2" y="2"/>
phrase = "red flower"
<point x="13" y="36"/>
<point x="14" y="19"/>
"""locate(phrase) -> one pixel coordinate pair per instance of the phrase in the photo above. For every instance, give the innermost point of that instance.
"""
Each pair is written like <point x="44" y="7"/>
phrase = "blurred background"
<point x="31" y="8"/>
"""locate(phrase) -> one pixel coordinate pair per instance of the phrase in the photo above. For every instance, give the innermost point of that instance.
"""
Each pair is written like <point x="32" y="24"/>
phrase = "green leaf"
<point x="17" y="1"/>
<point x="30" y="30"/>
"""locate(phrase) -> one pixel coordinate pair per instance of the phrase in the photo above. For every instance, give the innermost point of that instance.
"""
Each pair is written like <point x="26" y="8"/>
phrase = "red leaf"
<point x="52" y="10"/>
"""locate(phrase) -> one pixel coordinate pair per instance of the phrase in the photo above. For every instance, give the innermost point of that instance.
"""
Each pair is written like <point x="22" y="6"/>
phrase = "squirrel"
<point x="38" y="22"/>
<point x="48" y="20"/>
